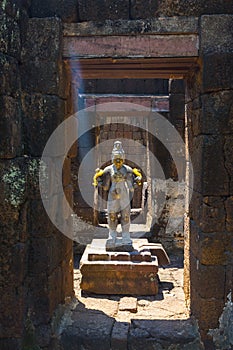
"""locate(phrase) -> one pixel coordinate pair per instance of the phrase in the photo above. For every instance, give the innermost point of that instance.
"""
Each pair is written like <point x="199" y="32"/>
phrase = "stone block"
<point x="138" y="9"/>
<point x="121" y="280"/>
<point x="119" y="337"/>
<point x="101" y="10"/>
<point x="217" y="113"/>
<point x="123" y="277"/>
<point x="43" y="77"/>
<point x="66" y="10"/>
<point x="46" y="253"/>
<point x="210" y="175"/>
<point x="215" y="34"/>
<point x="210" y="248"/>
<point x="157" y="334"/>
<point x="209" y="281"/>
<point x="104" y="257"/>
<point x="10" y="43"/>
<point x="42" y="114"/>
<point x="10" y="127"/>
<point x="9" y="76"/>
<point x="217" y="72"/>
<point x="128" y="304"/>
<point x="38" y="228"/>
<point x="89" y="330"/>
<point x="228" y="146"/>
<point x="193" y="8"/>
<point x="43" y="40"/>
<point x="127" y="45"/>
<point x="162" y="25"/>
<point x="207" y="311"/>
<point x="209" y="214"/>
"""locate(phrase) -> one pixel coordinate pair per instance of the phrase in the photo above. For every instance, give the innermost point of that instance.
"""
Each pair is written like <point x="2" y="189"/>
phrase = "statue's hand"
<point x="97" y="181"/>
<point x="138" y="178"/>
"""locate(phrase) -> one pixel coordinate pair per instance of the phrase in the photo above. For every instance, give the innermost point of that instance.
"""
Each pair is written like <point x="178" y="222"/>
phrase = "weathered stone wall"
<point x="92" y="10"/>
<point x="209" y="113"/>
<point x="43" y="109"/>
<point x="13" y="175"/>
<point x="36" y="258"/>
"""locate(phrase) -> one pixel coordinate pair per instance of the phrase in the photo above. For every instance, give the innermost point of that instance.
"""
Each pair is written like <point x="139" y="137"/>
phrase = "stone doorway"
<point x="82" y="65"/>
<point x="162" y="60"/>
<point x="34" y="251"/>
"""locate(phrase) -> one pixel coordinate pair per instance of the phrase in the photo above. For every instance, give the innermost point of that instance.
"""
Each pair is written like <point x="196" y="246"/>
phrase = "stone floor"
<point x="132" y="322"/>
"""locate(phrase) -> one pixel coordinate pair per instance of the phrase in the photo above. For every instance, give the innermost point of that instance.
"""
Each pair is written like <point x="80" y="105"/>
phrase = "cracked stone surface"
<point x="133" y="322"/>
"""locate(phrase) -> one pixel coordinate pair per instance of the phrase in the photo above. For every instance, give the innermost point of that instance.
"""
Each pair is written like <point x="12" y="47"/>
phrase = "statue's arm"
<point x="97" y="179"/>
<point x="102" y="179"/>
<point x="137" y="177"/>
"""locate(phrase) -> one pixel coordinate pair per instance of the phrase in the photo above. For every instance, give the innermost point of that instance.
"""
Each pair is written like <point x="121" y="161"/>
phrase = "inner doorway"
<point x="175" y="66"/>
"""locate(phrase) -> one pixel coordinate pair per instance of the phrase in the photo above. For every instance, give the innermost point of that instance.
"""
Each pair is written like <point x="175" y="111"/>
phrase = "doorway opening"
<point x="147" y="70"/>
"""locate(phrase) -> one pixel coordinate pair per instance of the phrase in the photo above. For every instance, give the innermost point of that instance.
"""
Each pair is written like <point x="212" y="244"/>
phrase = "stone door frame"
<point x="162" y="48"/>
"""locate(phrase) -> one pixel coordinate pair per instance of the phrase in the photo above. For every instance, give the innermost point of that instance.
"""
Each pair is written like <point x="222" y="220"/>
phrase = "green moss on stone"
<point x="15" y="183"/>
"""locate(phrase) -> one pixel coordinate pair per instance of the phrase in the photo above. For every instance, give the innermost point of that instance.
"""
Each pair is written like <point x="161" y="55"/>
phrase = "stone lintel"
<point x="133" y="67"/>
<point x="131" y="46"/>
<point x="161" y="25"/>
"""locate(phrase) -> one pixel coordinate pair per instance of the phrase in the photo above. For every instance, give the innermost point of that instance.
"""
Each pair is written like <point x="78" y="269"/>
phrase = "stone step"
<point x="94" y="330"/>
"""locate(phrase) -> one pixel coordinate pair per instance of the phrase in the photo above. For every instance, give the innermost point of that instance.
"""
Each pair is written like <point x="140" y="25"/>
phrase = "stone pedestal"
<point x="135" y="272"/>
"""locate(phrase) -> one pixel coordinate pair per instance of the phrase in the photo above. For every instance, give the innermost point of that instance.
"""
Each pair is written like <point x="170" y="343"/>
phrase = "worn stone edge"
<point x="161" y="25"/>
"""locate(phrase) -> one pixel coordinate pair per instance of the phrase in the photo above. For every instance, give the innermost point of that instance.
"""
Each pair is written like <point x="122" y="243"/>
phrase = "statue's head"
<point x="118" y="154"/>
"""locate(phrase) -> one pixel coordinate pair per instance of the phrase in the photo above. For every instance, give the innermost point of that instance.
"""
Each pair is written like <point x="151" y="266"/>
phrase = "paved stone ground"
<point x="132" y="322"/>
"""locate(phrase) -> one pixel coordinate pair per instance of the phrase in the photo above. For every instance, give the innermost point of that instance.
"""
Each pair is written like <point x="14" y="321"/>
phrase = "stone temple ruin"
<point x="173" y="58"/>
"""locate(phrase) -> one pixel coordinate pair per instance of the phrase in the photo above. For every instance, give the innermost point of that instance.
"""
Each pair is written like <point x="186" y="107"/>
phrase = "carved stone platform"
<point x="135" y="272"/>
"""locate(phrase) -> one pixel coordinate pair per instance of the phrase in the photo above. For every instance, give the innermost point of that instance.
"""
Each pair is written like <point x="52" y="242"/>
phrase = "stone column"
<point x="209" y="244"/>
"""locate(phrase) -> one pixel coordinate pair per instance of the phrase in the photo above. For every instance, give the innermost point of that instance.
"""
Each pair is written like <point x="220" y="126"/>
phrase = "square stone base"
<point x="118" y="272"/>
